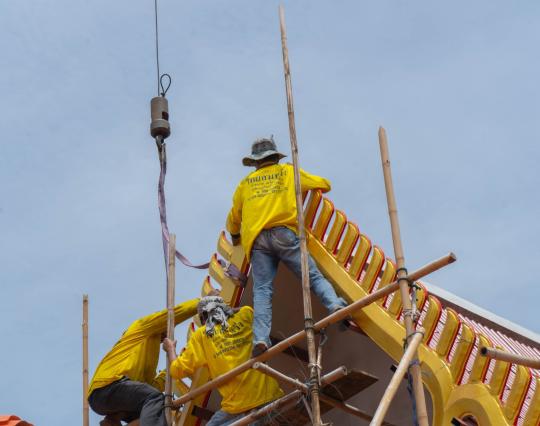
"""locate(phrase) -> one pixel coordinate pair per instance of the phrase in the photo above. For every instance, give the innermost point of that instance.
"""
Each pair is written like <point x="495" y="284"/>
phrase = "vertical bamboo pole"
<point x="397" y="378"/>
<point x="308" y="316"/>
<point x="401" y="276"/>
<point x="170" y="321"/>
<point x="86" y="421"/>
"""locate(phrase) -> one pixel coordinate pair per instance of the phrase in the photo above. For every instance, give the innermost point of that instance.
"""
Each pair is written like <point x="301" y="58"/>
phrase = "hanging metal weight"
<point x="159" y="109"/>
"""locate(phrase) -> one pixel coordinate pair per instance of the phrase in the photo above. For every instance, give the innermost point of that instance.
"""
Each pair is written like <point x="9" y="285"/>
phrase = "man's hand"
<point x="235" y="239"/>
<point x="169" y="344"/>
<point x="214" y="292"/>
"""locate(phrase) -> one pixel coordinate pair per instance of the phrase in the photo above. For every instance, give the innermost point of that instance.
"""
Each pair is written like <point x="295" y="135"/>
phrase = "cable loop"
<point x="163" y="89"/>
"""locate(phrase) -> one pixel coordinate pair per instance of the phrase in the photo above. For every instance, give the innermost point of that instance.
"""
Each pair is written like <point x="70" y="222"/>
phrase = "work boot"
<point x="344" y="323"/>
<point x="258" y="349"/>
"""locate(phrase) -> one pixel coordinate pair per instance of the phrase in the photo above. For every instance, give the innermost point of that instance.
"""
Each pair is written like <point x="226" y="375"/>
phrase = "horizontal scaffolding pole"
<point x="273" y="406"/>
<point x="334" y="375"/>
<point x="507" y="356"/>
<point x="402" y="368"/>
<point x="323" y="323"/>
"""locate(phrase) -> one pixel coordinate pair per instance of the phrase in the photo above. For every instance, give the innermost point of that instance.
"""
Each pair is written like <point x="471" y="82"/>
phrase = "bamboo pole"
<point x="334" y="375"/>
<point x="273" y="406"/>
<point x="392" y="387"/>
<point x="513" y="358"/>
<point x="171" y="281"/>
<point x="86" y="420"/>
<point x="308" y="315"/>
<point x="323" y="323"/>
<point x="418" y="387"/>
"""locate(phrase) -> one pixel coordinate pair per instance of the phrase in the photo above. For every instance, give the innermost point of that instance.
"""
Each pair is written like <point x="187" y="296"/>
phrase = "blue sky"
<point x="455" y="85"/>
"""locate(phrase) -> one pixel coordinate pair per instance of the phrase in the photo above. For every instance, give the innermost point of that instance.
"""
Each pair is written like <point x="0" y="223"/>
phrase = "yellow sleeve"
<point x="159" y="381"/>
<point x="234" y="218"/>
<point x="309" y="181"/>
<point x="157" y="322"/>
<point x="190" y="359"/>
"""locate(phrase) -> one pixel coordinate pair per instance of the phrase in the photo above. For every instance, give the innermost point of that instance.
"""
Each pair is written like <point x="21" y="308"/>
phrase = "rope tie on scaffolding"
<point x="323" y="338"/>
<point x="413" y="312"/>
<point x="410" y="390"/>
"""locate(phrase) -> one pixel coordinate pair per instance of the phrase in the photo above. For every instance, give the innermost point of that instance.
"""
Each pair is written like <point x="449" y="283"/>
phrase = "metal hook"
<point x="163" y="90"/>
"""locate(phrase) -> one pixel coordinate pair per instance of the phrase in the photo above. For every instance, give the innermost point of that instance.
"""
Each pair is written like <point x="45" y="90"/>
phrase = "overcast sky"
<point x="455" y="84"/>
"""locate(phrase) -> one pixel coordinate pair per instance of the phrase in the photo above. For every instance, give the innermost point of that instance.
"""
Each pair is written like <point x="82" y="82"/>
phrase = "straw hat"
<point x="261" y="149"/>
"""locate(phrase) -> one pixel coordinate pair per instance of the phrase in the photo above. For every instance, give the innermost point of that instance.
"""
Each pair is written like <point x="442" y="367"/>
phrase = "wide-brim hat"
<point x="260" y="149"/>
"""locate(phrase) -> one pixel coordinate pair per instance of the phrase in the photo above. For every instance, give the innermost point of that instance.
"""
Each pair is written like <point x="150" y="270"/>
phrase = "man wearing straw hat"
<point x="223" y="343"/>
<point x="263" y="219"/>
<point x="125" y="386"/>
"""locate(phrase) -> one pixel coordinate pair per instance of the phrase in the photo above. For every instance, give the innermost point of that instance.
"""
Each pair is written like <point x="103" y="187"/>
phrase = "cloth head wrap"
<point x="216" y="311"/>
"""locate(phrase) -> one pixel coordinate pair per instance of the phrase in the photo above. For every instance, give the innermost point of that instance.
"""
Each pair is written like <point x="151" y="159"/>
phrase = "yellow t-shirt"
<point x="136" y="354"/>
<point x="265" y="199"/>
<point x="223" y="352"/>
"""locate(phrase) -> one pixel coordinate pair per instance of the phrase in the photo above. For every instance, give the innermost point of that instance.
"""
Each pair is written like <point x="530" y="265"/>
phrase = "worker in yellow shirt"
<point x="125" y="386"/>
<point x="263" y="219"/>
<point x="223" y="343"/>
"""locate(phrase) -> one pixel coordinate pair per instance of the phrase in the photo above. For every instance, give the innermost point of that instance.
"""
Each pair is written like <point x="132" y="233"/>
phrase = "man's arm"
<point x="234" y="218"/>
<point x="309" y="181"/>
<point x="157" y="322"/>
<point x="189" y="360"/>
<point x="169" y="346"/>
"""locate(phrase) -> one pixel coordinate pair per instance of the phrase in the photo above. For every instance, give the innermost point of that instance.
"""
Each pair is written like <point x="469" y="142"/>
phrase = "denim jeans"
<point x="271" y="246"/>
<point x="221" y="418"/>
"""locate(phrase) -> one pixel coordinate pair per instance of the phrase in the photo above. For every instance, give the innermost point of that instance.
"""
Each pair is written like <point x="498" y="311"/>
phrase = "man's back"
<point x="222" y="352"/>
<point x="266" y="199"/>
<point x="136" y="353"/>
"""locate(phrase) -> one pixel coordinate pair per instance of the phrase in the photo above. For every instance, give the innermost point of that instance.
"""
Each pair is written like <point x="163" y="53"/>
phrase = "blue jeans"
<point x="222" y="418"/>
<point x="271" y="246"/>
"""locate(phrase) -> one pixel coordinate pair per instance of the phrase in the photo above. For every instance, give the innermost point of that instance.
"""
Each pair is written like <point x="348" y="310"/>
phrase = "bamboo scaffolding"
<point x="392" y="387"/>
<point x="328" y="378"/>
<point x="171" y="281"/>
<point x="85" y="413"/>
<point x="273" y="406"/>
<point x="323" y="323"/>
<point x="308" y="315"/>
<point x="334" y="375"/>
<point x="416" y="374"/>
<point x="513" y="358"/>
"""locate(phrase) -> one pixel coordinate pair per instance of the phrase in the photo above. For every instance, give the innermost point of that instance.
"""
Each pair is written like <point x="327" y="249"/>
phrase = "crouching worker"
<point x="263" y="219"/>
<point x="223" y="343"/>
<point x="125" y="386"/>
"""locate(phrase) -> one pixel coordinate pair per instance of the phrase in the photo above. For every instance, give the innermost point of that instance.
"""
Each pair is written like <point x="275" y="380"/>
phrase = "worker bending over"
<point x="125" y="386"/>
<point x="223" y="343"/>
<point x="264" y="219"/>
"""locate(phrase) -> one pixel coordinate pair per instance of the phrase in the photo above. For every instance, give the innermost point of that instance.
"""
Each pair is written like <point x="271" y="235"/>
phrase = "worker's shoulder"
<point x="245" y="312"/>
<point x="198" y="332"/>
<point x="246" y="309"/>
